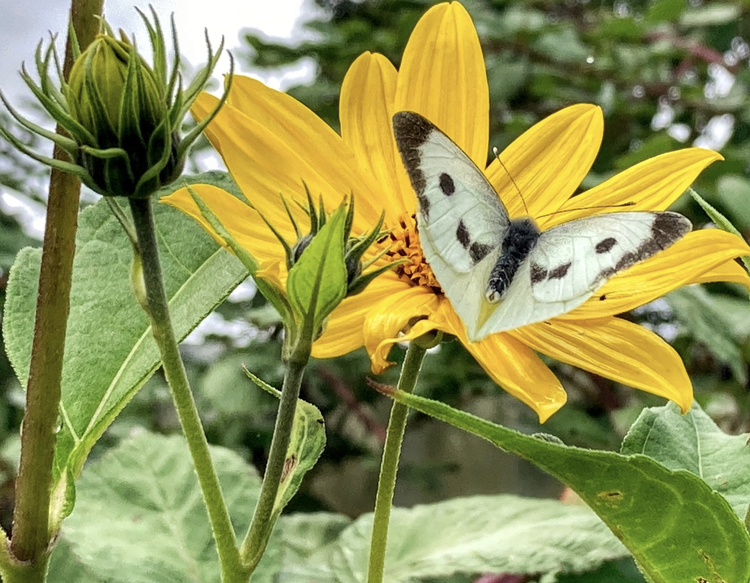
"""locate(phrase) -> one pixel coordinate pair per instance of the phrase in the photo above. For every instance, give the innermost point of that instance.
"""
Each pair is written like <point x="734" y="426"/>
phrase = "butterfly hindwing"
<point x="459" y="211"/>
<point x="572" y="260"/>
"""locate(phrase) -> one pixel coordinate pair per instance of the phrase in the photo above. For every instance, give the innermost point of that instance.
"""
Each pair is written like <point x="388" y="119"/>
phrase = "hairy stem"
<point x="260" y="529"/>
<point x="31" y="517"/>
<point x="389" y="464"/>
<point x="174" y="370"/>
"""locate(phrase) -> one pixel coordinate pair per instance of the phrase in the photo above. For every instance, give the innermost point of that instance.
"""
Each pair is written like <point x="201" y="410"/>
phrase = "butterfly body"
<point x="499" y="273"/>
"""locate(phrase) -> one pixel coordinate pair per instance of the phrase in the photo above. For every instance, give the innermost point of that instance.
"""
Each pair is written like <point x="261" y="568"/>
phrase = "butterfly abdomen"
<point x="519" y="241"/>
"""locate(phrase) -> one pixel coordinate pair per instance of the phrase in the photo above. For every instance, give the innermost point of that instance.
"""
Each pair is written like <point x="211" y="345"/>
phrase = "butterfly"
<point x="501" y="273"/>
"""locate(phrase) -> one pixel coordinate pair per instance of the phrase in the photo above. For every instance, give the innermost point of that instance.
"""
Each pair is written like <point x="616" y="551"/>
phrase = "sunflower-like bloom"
<point x="271" y="144"/>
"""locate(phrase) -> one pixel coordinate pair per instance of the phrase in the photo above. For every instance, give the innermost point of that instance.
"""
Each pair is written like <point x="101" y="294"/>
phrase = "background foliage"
<point x="667" y="74"/>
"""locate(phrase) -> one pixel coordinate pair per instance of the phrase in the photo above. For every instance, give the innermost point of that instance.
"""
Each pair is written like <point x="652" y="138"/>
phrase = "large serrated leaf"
<point x="472" y="535"/>
<point x="673" y="523"/>
<point x="694" y="443"/>
<point x="468" y="536"/>
<point x="141" y="517"/>
<point x="109" y="351"/>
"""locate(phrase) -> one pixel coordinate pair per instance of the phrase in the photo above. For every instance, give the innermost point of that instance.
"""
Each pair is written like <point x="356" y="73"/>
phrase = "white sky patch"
<point x="24" y="24"/>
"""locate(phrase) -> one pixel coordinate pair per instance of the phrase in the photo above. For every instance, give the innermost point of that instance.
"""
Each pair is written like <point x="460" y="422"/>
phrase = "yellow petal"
<point x="548" y="161"/>
<point x="392" y="314"/>
<point x="266" y="166"/>
<point x="345" y="329"/>
<point x="652" y="185"/>
<point x="443" y="77"/>
<point x="683" y="263"/>
<point x="240" y="220"/>
<point x="513" y="366"/>
<point x="617" y="350"/>
<point x="730" y="271"/>
<point x="366" y="109"/>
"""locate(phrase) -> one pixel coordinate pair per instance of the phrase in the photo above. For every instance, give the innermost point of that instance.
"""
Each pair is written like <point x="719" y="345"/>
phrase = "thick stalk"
<point x="31" y="536"/>
<point x="389" y="464"/>
<point x="187" y="412"/>
<point x="257" y="536"/>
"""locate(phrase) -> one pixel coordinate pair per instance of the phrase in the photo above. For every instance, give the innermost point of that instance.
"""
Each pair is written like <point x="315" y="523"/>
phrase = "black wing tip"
<point x="669" y="227"/>
<point x="411" y="127"/>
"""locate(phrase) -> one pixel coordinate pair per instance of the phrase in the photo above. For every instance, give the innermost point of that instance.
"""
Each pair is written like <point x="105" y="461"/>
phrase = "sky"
<point x="24" y="23"/>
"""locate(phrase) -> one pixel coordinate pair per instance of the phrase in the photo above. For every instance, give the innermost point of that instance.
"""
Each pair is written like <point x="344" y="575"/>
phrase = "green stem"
<point x="31" y="517"/>
<point x="174" y="370"/>
<point x="257" y="537"/>
<point x="389" y="464"/>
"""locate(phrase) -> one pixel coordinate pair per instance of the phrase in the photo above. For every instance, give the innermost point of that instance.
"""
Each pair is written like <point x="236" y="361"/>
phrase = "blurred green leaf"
<point x="665" y="10"/>
<point x="734" y="194"/>
<point x="563" y="45"/>
<point x="469" y="535"/>
<point x="712" y="14"/>
<point x="705" y="321"/>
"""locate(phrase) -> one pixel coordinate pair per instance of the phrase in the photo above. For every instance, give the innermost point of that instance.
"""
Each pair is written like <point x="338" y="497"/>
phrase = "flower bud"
<point x="121" y="116"/>
<point x="116" y="97"/>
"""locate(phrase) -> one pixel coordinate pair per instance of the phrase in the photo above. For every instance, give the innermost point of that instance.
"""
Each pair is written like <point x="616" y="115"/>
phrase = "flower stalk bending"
<point x="161" y="326"/>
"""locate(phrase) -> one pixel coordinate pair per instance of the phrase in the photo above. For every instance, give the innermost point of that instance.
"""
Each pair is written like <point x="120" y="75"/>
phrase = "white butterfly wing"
<point x="460" y="214"/>
<point x="571" y="261"/>
<point x="576" y="258"/>
<point x="462" y="225"/>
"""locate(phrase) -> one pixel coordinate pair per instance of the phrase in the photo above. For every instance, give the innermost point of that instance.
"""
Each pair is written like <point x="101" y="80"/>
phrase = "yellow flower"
<point x="271" y="143"/>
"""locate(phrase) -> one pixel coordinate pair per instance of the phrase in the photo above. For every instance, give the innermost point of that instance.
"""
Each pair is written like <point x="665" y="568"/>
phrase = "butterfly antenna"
<point x="604" y="206"/>
<point x="497" y="156"/>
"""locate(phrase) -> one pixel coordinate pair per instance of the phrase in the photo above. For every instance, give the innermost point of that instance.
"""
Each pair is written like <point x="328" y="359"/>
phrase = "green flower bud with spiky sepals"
<point x="116" y="96"/>
<point x="121" y="115"/>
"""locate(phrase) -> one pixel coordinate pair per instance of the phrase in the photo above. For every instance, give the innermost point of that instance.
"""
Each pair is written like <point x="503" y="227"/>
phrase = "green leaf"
<point x="472" y="535"/>
<point x="713" y="14"/>
<point x="296" y="551"/>
<point x="708" y="324"/>
<point x="317" y="282"/>
<point x="665" y="10"/>
<point x="721" y="221"/>
<point x="109" y="350"/>
<point x="308" y="440"/>
<point x="563" y="46"/>
<point x="734" y="192"/>
<point x="653" y="510"/>
<point x="141" y="518"/>
<point x="694" y="443"/>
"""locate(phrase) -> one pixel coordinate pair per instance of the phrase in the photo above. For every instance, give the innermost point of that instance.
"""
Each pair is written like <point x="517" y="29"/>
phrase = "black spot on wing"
<point x="462" y="234"/>
<point x="559" y="272"/>
<point x="446" y="184"/>
<point x="479" y="251"/>
<point x="411" y="130"/>
<point x="538" y="273"/>
<point x="605" y="245"/>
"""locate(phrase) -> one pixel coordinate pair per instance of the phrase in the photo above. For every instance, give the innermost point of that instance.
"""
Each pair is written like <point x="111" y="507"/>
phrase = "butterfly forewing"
<point x="459" y="211"/>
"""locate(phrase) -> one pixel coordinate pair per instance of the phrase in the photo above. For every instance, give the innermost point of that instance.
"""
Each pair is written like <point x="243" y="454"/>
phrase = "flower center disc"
<point x="404" y="243"/>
